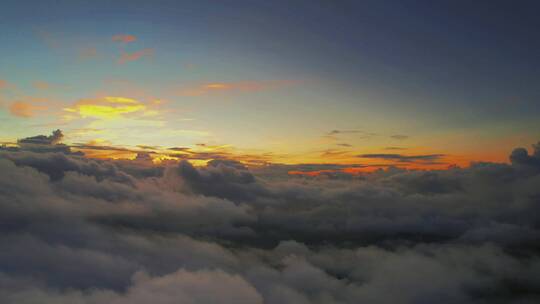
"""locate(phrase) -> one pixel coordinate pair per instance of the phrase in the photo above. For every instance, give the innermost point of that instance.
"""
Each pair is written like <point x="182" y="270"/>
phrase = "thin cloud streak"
<point x="124" y="38"/>
<point x="403" y="158"/>
<point x="126" y="57"/>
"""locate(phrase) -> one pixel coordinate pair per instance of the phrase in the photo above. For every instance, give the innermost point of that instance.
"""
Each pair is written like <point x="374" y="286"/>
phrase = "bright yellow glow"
<point x="109" y="107"/>
<point x="120" y="100"/>
<point x="99" y="111"/>
<point x="161" y="158"/>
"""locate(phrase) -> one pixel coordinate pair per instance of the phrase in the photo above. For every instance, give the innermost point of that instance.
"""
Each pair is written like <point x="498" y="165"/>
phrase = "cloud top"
<point x="79" y="230"/>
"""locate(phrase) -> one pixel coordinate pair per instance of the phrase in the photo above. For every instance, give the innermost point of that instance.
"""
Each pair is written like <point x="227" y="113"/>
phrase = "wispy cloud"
<point x="400" y="136"/>
<point x="337" y="133"/>
<point x="127" y="57"/>
<point x="6" y="85"/>
<point x="124" y="38"/>
<point x="41" y="85"/>
<point x="24" y="109"/>
<point x="88" y="53"/>
<point x="51" y="40"/>
<point x="333" y="153"/>
<point x="238" y="86"/>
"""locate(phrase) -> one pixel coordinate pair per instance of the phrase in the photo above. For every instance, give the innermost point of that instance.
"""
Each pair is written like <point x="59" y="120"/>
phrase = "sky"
<point x="269" y="152"/>
<point x="417" y="84"/>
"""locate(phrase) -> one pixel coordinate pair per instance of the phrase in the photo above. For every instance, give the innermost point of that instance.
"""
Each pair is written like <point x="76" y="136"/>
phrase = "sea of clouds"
<point x="79" y="230"/>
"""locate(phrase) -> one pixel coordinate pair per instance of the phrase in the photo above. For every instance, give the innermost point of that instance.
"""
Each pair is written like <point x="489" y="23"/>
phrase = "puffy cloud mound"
<point x="55" y="138"/>
<point x="76" y="230"/>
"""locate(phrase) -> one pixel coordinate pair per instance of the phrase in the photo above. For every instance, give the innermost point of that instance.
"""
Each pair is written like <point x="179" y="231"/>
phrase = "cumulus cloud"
<point x="52" y="139"/>
<point x="77" y="230"/>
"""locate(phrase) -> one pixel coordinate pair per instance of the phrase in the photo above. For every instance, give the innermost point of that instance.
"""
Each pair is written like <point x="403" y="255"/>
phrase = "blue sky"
<point x="440" y="72"/>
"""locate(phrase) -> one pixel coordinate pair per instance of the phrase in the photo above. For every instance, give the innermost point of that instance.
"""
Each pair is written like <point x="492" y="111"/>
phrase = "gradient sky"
<point x="429" y="83"/>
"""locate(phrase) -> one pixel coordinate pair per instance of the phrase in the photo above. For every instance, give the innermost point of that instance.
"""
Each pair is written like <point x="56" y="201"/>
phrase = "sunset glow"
<point x="269" y="152"/>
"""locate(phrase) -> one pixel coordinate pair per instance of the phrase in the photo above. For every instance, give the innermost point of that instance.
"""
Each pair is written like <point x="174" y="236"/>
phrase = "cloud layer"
<point x="77" y="230"/>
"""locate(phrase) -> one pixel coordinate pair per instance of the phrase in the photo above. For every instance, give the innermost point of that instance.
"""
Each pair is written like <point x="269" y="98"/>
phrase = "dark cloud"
<point x="76" y="230"/>
<point x="52" y="139"/>
<point x="43" y="143"/>
<point x="101" y="148"/>
<point x="145" y="147"/>
<point x="336" y="132"/>
<point x="404" y="158"/>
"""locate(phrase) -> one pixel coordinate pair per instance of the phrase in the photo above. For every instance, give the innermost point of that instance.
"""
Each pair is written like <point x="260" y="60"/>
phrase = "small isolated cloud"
<point x="127" y="57"/>
<point x="395" y="148"/>
<point x="24" y="109"/>
<point x="344" y="145"/>
<point x="3" y="84"/>
<point x="400" y="136"/>
<point x="403" y="158"/>
<point x="124" y="38"/>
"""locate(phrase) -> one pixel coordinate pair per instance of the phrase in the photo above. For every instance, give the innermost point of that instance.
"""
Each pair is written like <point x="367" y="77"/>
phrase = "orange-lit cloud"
<point x="126" y="57"/>
<point x="24" y="109"/>
<point x="124" y="38"/>
<point x="240" y="86"/>
<point x="108" y="107"/>
<point x="6" y="85"/>
<point x="44" y="86"/>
